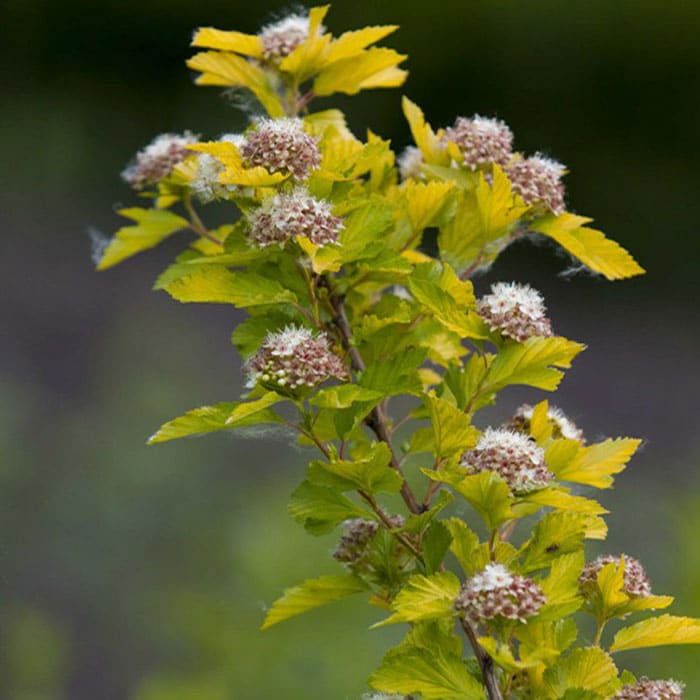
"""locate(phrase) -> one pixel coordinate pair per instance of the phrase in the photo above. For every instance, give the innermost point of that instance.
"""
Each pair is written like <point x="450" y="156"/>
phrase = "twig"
<point x="197" y="225"/>
<point x="485" y="661"/>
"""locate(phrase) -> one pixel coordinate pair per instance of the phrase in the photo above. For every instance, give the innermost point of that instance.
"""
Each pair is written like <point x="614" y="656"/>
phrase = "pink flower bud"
<point x="636" y="582"/>
<point x="644" y="689"/>
<point x="538" y="181"/>
<point x="279" y="39"/>
<point x="482" y="141"/>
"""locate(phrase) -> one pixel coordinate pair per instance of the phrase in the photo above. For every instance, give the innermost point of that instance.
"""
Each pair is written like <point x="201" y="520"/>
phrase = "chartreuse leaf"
<point x="436" y="542"/>
<point x="319" y="508"/>
<point x="311" y="594"/>
<point x="221" y="416"/>
<point x="594" y="465"/>
<point x="425" y="202"/>
<point x="308" y="57"/>
<point x="344" y="395"/>
<point x="589" y="669"/>
<point x="464" y="544"/>
<point x="152" y="226"/>
<point x="435" y="673"/>
<point x="352" y="43"/>
<point x="399" y="375"/>
<point x="658" y="631"/>
<point x="562" y="500"/>
<point x="428" y="142"/>
<point x="544" y="641"/>
<point x="229" y="70"/>
<point x="373" y="68"/>
<point x="217" y="284"/>
<point x="425" y="598"/>
<point x="591" y="247"/>
<point x="482" y="223"/>
<point x="561" y="587"/>
<point x="372" y="473"/>
<point x="452" y="428"/>
<point x="531" y="363"/>
<point x="489" y="495"/>
<point x="557" y="533"/>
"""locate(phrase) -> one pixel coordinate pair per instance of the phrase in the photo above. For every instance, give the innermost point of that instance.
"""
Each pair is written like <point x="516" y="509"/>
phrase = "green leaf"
<point x="434" y="673"/>
<point x="596" y="464"/>
<point x="398" y="375"/>
<point x="216" y="284"/>
<point x="245" y="410"/>
<point x="152" y="226"/>
<point x="658" y="631"/>
<point x="454" y="433"/>
<point x="589" y="668"/>
<point x="591" y="247"/>
<point x="561" y="588"/>
<point x="436" y="542"/>
<point x="489" y="495"/>
<point x="311" y="594"/>
<point x="531" y="363"/>
<point x="344" y="395"/>
<point x="320" y="508"/>
<point x="425" y="598"/>
<point x="372" y="473"/>
<point x="209" y="419"/>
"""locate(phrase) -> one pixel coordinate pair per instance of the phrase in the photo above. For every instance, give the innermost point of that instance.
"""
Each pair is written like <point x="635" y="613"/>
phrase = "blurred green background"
<point x="134" y="572"/>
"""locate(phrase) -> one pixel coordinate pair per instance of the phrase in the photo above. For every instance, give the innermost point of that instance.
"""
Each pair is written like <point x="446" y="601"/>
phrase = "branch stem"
<point x="488" y="671"/>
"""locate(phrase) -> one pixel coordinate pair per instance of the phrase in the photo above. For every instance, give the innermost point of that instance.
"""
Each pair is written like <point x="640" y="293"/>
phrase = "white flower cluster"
<point x="482" y="141"/>
<point x="496" y="592"/>
<point x="281" y="145"/>
<point x="284" y="216"/>
<point x="158" y="159"/>
<point x="562" y="425"/>
<point x="409" y="163"/>
<point x="516" y="311"/>
<point x="645" y="689"/>
<point x="294" y="358"/>
<point x="511" y="455"/>
<point x="636" y="581"/>
<point x="538" y="181"/>
<point x="280" y="38"/>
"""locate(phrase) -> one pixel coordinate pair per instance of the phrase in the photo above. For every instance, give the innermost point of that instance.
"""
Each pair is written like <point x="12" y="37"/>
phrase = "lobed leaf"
<point x="658" y="631"/>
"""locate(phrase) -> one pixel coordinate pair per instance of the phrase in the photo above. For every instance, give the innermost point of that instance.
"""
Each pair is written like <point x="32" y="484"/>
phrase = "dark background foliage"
<point x="140" y="572"/>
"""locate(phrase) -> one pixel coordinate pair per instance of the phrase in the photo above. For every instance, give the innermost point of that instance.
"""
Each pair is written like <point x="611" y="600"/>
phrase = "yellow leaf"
<point x="424" y="201"/>
<point x="309" y="57"/>
<point x="331" y="123"/>
<point x="591" y="247"/>
<point x="658" y="631"/>
<point x="352" y="43"/>
<point x="230" y="70"/>
<point x="589" y="668"/>
<point x="373" y="68"/>
<point x="540" y="426"/>
<point x="425" y="138"/>
<point x="561" y="500"/>
<point x="246" y="44"/>
<point x="594" y="465"/>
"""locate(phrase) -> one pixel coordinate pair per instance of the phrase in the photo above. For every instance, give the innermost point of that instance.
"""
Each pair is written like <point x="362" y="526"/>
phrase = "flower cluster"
<point x="538" y="181"/>
<point x="409" y="162"/>
<point x="516" y="311"/>
<point x="645" y="689"/>
<point x="562" y="425"/>
<point x="294" y="358"/>
<point x="284" y="216"/>
<point x="281" y="145"/>
<point x="357" y="534"/>
<point x="511" y="455"/>
<point x="205" y="185"/>
<point x="496" y="592"/>
<point x="482" y="141"/>
<point x="636" y="582"/>
<point x="158" y="159"/>
<point x="279" y="39"/>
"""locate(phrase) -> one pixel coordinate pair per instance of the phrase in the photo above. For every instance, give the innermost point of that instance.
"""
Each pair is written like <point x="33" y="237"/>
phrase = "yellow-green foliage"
<point x="376" y="317"/>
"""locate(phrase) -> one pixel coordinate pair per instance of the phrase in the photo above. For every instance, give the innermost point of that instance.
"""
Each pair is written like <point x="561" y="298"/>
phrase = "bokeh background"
<point x="142" y="573"/>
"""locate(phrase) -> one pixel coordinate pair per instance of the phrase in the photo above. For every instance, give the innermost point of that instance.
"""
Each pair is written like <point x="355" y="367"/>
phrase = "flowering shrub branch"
<point x="348" y="312"/>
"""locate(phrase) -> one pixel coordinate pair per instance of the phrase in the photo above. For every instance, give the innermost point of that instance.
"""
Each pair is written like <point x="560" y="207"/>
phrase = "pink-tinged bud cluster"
<point x="516" y="458"/>
<point x="516" y="311"/>
<point x="279" y="39"/>
<point x="645" y="689"/>
<point x="410" y="162"/>
<point x="357" y="534"/>
<point x="481" y="141"/>
<point x="495" y="592"/>
<point x="636" y="582"/>
<point x="281" y="145"/>
<point x="284" y="216"/>
<point x="538" y="181"/>
<point x="205" y="185"/>
<point x="158" y="159"/>
<point x="294" y="358"/>
<point x="562" y="425"/>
